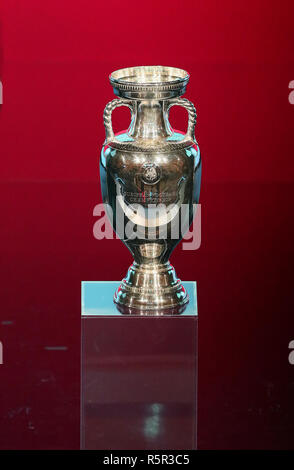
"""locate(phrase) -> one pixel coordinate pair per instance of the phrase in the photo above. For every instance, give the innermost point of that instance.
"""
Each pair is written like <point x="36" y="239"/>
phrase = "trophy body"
<point x="150" y="179"/>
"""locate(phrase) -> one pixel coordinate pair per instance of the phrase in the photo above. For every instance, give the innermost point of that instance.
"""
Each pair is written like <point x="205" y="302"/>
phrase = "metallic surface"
<point x="150" y="165"/>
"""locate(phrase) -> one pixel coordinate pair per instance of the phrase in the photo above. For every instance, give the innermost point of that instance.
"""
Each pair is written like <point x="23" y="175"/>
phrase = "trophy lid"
<point x="149" y="82"/>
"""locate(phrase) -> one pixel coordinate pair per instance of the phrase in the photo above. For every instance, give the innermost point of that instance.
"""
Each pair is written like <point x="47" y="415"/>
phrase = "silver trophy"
<point x="150" y="179"/>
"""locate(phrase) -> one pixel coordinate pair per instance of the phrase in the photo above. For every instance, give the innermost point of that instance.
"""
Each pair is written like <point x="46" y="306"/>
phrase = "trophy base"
<point x="151" y="288"/>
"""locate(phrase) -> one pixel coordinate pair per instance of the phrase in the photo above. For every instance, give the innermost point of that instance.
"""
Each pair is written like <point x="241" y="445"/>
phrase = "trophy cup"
<point x="150" y="179"/>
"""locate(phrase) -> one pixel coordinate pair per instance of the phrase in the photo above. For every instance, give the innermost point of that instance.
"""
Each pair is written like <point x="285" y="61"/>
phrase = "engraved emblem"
<point x="150" y="173"/>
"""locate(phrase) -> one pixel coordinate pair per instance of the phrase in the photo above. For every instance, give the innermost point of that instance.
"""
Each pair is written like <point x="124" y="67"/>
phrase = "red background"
<point x="55" y="60"/>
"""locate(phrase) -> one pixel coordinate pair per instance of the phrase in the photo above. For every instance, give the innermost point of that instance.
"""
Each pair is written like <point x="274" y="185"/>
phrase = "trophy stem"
<point x="151" y="288"/>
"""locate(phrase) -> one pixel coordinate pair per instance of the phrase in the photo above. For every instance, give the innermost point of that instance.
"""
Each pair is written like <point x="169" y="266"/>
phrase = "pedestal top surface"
<point x="97" y="299"/>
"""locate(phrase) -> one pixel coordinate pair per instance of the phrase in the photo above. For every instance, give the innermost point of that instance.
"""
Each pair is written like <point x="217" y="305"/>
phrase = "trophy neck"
<point x="150" y="121"/>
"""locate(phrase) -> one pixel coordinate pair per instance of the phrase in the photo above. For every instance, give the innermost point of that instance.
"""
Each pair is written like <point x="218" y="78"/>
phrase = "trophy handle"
<point x="107" y="116"/>
<point x="192" y="115"/>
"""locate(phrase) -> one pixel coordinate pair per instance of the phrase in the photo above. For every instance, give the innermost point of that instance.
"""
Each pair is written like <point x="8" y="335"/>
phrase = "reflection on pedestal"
<point x="138" y="375"/>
